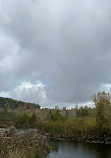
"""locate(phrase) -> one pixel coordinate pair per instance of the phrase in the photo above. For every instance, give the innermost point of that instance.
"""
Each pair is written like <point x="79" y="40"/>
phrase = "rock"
<point x="10" y="132"/>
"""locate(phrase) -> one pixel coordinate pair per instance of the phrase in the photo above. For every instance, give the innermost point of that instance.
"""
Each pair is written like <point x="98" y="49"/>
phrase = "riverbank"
<point x="76" y="130"/>
<point x="28" y="144"/>
<point x="91" y="140"/>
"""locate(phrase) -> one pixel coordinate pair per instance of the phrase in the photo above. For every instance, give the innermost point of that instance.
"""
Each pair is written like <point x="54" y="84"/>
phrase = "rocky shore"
<point x="96" y="139"/>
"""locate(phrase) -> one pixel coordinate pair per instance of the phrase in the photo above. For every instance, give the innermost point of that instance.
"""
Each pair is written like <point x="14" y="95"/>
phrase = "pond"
<point x="71" y="149"/>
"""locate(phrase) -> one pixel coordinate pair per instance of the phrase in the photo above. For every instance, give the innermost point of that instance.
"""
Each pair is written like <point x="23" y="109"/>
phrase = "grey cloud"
<point x="65" y="44"/>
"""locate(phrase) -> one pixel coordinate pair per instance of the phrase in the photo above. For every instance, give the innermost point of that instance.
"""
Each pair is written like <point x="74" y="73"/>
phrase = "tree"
<point x="82" y="112"/>
<point x="32" y="119"/>
<point x="49" y="116"/>
<point x="26" y="120"/>
<point x="57" y="116"/>
<point x="103" y="108"/>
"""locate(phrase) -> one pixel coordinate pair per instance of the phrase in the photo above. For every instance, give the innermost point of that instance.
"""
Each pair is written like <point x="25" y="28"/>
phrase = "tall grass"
<point x="28" y="145"/>
<point x="69" y="128"/>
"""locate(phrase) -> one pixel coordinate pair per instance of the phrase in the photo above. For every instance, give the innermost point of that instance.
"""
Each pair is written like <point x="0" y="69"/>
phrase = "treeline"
<point x="11" y="103"/>
<point x="78" y="123"/>
<point x="93" y="125"/>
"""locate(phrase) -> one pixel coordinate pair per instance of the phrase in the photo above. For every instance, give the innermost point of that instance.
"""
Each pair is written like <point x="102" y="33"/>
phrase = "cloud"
<point x="28" y="92"/>
<point x="63" y="44"/>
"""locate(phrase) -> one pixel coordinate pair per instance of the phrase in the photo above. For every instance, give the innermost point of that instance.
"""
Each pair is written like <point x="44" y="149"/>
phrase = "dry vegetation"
<point x="28" y="145"/>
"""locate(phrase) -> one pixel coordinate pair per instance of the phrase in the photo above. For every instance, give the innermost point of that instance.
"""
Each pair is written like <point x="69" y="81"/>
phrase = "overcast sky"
<point x="55" y="52"/>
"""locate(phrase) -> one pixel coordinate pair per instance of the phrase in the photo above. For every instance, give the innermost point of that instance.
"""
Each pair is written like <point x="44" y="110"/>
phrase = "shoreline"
<point x="79" y="139"/>
<point x="96" y="139"/>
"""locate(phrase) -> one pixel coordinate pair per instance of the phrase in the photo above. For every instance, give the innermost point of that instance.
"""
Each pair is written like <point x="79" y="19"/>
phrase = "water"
<point x="71" y="149"/>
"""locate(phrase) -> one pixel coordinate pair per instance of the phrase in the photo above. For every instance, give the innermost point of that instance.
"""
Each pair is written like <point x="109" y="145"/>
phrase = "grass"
<point x="28" y="145"/>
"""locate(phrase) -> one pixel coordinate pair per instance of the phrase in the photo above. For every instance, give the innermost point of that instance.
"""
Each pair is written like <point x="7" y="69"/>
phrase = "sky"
<point x="55" y="52"/>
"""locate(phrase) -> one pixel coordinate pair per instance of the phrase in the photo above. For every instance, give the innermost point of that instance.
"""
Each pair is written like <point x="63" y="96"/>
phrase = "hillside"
<point x="8" y="102"/>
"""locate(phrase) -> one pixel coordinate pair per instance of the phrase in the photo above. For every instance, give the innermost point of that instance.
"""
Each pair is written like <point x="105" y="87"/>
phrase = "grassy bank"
<point x="27" y="145"/>
<point x="77" y="129"/>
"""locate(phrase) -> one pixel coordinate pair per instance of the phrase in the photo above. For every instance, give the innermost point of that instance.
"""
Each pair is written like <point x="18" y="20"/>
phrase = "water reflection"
<point x="70" y="149"/>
